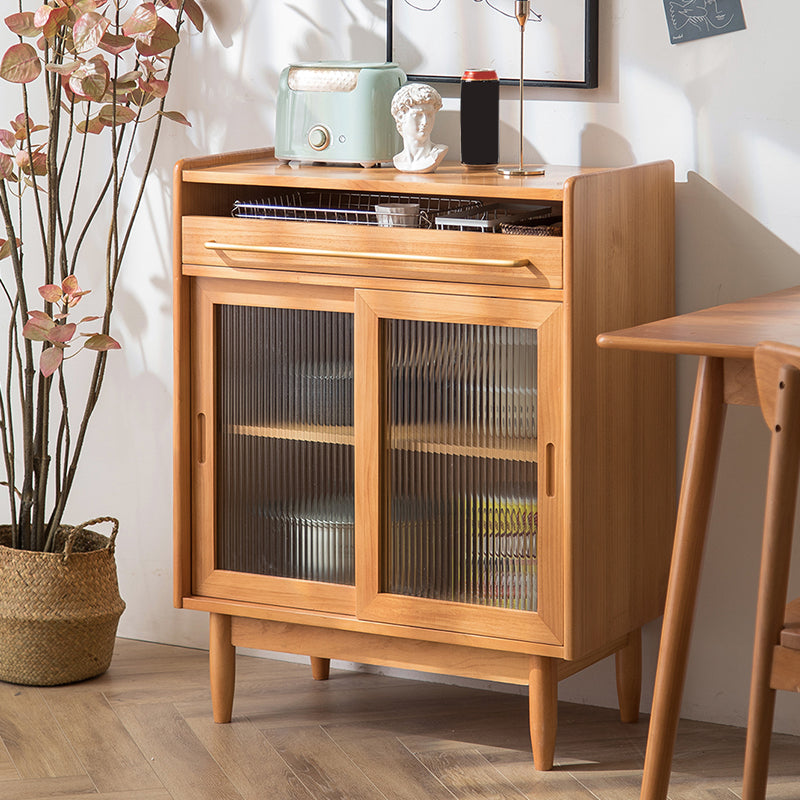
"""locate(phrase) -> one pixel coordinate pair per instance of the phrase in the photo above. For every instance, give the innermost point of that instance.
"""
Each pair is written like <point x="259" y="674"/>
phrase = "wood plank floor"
<point x="144" y="731"/>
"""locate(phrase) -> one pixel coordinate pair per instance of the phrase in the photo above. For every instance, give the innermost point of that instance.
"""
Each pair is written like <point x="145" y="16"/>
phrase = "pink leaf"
<point x="162" y="38"/>
<point x="7" y="138"/>
<point x="89" y="319"/>
<point x="50" y="360"/>
<point x="195" y="13"/>
<point x="119" y="115"/>
<point x="157" y="88"/>
<point x="42" y="15"/>
<point x="66" y="68"/>
<point x="91" y="125"/>
<point x="90" y="80"/>
<point x="114" y="44"/>
<point x="88" y="31"/>
<point x="70" y="285"/>
<point x="47" y="19"/>
<point x="22" y="24"/>
<point x="37" y="330"/>
<point x="61" y="334"/>
<point x="36" y="314"/>
<point x="39" y="162"/>
<point x="130" y="77"/>
<point x="143" y="20"/>
<point x="6" y="166"/>
<point x="176" y="116"/>
<point x="101" y="341"/>
<point x="50" y="292"/>
<point x="20" y="64"/>
<point x="5" y="247"/>
<point x="191" y="9"/>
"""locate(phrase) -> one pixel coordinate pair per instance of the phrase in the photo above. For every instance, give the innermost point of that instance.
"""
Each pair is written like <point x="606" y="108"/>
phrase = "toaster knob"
<point x="319" y="137"/>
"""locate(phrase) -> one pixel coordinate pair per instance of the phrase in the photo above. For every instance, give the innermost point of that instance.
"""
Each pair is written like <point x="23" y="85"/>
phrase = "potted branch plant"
<point x="93" y="77"/>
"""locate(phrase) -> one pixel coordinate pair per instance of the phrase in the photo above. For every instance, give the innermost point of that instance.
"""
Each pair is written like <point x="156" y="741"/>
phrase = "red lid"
<point x="479" y="75"/>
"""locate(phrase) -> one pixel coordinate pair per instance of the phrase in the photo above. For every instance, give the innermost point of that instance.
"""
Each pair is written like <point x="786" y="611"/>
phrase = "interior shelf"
<point x="404" y="437"/>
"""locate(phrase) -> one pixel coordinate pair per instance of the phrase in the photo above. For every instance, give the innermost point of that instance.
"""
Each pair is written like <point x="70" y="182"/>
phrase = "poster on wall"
<point x="688" y="20"/>
<point x="436" y="40"/>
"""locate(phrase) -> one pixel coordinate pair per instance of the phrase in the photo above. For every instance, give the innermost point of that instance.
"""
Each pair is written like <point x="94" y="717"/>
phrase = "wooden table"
<point x="725" y="338"/>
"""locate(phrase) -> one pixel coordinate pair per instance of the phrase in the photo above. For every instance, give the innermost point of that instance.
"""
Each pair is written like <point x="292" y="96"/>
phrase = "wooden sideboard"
<point x="401" y="446"/>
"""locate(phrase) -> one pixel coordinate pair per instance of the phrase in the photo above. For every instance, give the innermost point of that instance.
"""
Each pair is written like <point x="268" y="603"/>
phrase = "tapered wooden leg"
<point x="700" y="469"/>
<point x="629" y="677"/>
<point x="320" y="668"/>
<point x="543" y="703"/>
<point x="222" y="667"/>
<point x="774" y="579"/>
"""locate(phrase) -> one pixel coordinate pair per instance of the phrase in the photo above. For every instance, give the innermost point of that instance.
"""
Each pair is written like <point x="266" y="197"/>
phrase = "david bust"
<point x="414" y="108"/>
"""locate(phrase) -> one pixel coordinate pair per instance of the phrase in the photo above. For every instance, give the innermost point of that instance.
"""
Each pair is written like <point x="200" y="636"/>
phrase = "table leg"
<point x="697" y="489"/>
<point x="222" y="667"/>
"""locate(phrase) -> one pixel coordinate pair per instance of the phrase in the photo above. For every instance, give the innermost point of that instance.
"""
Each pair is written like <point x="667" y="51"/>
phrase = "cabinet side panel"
<point x="619" y="271"/>
<point x="182" y="450"/>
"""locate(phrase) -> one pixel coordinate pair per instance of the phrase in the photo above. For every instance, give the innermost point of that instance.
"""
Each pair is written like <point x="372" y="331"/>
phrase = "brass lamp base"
<point x="510" y="172"/>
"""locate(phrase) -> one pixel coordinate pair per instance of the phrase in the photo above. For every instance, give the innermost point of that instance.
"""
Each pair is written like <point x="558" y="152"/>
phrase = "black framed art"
<point x="436" y="40"/>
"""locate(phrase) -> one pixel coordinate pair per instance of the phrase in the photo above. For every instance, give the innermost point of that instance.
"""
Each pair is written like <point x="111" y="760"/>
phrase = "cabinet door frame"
<point x="207" y="580"/>
<point x="372" y="308"/>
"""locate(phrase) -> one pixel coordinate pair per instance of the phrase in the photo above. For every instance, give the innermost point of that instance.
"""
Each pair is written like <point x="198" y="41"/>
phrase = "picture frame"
<point x="435" y="41"/>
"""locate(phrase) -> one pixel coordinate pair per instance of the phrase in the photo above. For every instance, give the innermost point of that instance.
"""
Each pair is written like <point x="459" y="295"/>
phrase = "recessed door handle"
<point x="550" y="470"/>
<point x="200" y="438"/>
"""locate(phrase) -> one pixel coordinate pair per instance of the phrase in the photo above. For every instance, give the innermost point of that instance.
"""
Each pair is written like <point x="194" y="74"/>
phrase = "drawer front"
<point x="455" y="256"/>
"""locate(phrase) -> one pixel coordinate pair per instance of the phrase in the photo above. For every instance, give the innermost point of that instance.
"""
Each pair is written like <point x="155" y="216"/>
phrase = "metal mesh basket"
<point x="349" y="208"/>
<point x="489" y="217"/>
<point x="541" y="226"/>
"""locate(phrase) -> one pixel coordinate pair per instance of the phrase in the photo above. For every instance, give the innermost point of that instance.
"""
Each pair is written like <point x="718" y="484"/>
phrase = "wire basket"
<point x="547" y="226"/>
<point x="349" y="208"/>
<point x="489" y="217"/>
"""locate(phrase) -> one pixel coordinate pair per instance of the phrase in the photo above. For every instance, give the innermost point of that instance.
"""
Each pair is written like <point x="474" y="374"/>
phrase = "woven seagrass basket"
<point x="58" y="611"/>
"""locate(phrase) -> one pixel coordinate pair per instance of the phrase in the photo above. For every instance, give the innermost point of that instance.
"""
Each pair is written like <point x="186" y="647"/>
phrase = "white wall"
<point x="724" y="109"/>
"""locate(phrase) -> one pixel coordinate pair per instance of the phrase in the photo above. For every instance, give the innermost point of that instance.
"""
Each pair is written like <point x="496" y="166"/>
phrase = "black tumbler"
<point x="480" y="109"/>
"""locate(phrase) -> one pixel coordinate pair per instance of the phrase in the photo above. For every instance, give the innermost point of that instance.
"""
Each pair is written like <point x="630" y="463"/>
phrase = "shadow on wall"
<point x="601" y="146"/>
<point x="723" y="253"/>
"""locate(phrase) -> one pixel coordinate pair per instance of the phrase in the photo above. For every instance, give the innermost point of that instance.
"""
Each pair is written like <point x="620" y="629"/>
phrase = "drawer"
<point x="455" y="256"/>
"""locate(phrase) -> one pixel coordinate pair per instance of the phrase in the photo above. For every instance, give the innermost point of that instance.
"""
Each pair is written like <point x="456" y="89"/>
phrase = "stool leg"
<point x="784" y="464"/>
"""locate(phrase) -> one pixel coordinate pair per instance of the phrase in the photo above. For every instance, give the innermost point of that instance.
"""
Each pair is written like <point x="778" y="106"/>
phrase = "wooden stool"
<point x="776" y="652"/>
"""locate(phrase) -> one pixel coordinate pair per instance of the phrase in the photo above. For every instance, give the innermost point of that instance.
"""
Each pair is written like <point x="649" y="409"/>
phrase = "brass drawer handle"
<point x="302" y="251"/>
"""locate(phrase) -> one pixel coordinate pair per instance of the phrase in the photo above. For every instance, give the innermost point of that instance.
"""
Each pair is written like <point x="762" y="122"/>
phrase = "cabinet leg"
<point x="320" y="668"/>
<point x="222" y="667"/>
<point x="543" y="710"/>
<point x="629" y="677"/>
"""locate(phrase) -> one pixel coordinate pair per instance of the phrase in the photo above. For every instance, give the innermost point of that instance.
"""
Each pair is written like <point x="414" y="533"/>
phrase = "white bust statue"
<point x="414" y="108"/>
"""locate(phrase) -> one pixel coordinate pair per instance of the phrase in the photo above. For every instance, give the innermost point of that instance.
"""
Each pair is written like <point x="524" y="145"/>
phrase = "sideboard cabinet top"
<point x="260" y="168"/>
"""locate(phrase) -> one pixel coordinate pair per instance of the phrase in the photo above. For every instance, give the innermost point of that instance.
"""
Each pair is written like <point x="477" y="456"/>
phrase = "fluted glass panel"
<point x="462" y="463"/>
<point x="284" y="443"/>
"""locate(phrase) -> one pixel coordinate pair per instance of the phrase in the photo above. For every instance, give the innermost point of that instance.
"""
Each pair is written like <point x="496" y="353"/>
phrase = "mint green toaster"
<point x="337" y="112"/>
